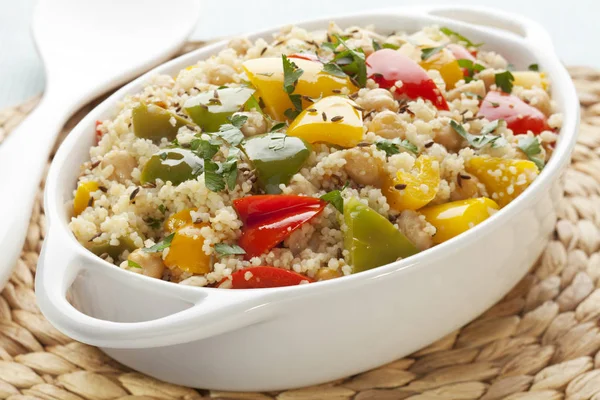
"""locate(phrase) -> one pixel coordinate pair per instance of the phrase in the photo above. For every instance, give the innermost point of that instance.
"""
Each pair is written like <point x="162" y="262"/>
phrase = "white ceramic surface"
<point x="88" y="48"/>
<point x="268" y="339"/>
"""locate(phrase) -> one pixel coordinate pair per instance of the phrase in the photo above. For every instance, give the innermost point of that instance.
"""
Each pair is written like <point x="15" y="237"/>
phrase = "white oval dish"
<point x="270" y="339"/>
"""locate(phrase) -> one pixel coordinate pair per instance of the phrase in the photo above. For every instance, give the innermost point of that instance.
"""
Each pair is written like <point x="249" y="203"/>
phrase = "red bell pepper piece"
<point x="520" y="117"/>
<point x="262" y="277"/>
<point x="386" y="66"/>
<point x="460" y="53"/>
<point x="270" y="219"/>
<point x="305" y="56"/>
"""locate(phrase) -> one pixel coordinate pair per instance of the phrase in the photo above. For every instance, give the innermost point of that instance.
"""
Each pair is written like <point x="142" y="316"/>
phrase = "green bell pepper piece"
<point x="371" y="239"/>
<point x="210" y="111"/>
<point x="175" y="165"/>
<point x="153" y="122"/>
<point x="99" y="248"/>
<point x="276" y="158"/>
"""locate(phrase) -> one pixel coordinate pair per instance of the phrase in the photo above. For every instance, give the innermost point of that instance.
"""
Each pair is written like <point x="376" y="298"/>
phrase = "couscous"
<point x="310" y="157"/>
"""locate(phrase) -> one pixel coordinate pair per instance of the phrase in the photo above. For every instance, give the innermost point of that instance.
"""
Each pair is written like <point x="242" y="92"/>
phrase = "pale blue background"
<point x="574" y="26"/>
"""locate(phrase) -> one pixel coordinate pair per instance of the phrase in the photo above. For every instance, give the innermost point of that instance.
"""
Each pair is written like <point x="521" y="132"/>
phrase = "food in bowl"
<point x="318" y="155"/>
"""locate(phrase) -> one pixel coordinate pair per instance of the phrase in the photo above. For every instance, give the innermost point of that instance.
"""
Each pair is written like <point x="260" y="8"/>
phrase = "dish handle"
<point x="533" y="32"/>
<point x="210" y="311"/>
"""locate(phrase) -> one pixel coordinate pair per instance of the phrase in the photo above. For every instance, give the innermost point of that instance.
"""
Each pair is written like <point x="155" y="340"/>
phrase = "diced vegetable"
<point x="520" y="117"/>
<point x="413" y="190"/>
<point x="371" y="239"/>
<point x="153" y="122"/>
<point x="529" y="79"/>
<point x="386" y="66"/>
<point x="333" y="120"/>
<point x="266" y="75"/>
<point x="447" y="65"/>
<point x="186" y="250"/>
<point x="83" y="196"/>
<point x="504" y="179"/>
<point x="263" y="277"/>
<point x="452" y="219"/>
<point x="276" y="158"/>
<point x="114" y="251"/>
<point x="270" y="219"/>
<point x="210" y="110"/>
<point x="175" y="165"/>
<point x="179" y="220"/>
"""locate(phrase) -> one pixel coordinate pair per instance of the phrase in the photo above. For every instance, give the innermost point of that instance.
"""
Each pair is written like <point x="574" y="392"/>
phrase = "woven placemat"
<point x="541" y="341"/>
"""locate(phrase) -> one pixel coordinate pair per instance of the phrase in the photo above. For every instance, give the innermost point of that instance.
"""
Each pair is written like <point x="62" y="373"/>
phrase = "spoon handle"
<point x="23" y="156"/>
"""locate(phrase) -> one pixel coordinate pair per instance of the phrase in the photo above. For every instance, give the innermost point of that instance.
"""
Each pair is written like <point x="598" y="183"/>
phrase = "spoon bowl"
<point x="87" y="48"/>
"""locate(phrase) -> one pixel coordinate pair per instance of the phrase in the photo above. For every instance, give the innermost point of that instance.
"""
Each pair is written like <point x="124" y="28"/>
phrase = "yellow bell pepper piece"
<point x="504" y="179"/>
<point x="266" y="75"/>
<point x="178" y="220"/>
<point x="447" y="65"/>
<point x="413" y="190"/>
<point x="186" y="250"/>
<point x="83" y="196"/>
<point x="332" y="120"/>
<point x="529" y="79"/>
<point x="452" y="219"/>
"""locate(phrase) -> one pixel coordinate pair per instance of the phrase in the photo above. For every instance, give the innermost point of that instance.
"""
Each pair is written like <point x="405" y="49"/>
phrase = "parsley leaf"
<point x="376" y="46"/>
<point x="160" y="246"/>
<point x="278" y="127"/>
<point x="473" y="95"/>
<point x="291" y="74"/>
<point x="472" y="68"/>
<point x="430" y="51"/>
<point x="392" y="147"/>
<point x="530" y="145"/>
<point x="534" y="67"/>
<point x="504" y="80"/>
<point x="231" y="133"/>
<point x="390" y="46"/>
<point x="212" y="178"/>
<point x="154" y="223"/>
<point x="475" y="141"/>
<point x="224" y="249"/>
<point x="335" y="198"/>
<point x="491" y="127"/>
<point x="133" y="264"/>
<point x="162" y="209"/>
<point x="352" y="62"/>
<point x="203" y="148"/>
<point x="334" y="69"/>
<point x="449" y="32"/>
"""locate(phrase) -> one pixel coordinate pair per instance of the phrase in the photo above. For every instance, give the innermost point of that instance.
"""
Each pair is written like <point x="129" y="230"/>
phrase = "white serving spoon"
<point x="88" y="48"/>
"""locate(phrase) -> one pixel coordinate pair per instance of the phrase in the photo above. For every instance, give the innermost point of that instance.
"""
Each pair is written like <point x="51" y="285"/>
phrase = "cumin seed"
<point x="400" y="186"/>
<point x="312" y="110"/>
<point x="95" y="164"/>
<point x="363" y="144"/>
<point x="149" y="185"/>
<point x="429" y="144"/>
<point x="279" y="42"/>
<point x="216" y="94"/>
<point x="358" y="108"/>
<point x="309" y="99"/>
<point x="97" y="235"/>
<point x="134" y="193"/>
<point x="103" y="189"/>
<point x="337" y="118"/>
<point x="324" y="116"/>
<point x="263" y="51"/>
<point x="338" y="91"/>
<point x="90" y="202"/>
<point x="353" y="96"/>
<point x="467" y="177"/>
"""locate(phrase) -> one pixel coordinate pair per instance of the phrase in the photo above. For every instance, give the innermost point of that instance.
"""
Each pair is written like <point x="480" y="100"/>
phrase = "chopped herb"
<point x="534" y="67"/>
<point x="393" y="146"/>
<point x="376" y="46"/>
<point x="334" y="69"/>
<point x="213" y="179"/>
<point x="390" y="46"/>
<point x="291" y="74"/>
<point x="154" y="223"/>
<point x="449" y="32"/>
<point x="335" y="198"/>
<point x="133" y="264"/>
<point x="160" y="246"/>
<point x="204" y="148"/>
<point x="278" y="126"/>
<point x="350" y="61"/>
<point x="163" y="156"/>
<point x="471" y="67"/>
<point x="224" y="249"/>
<point x="430" y="51"/>
<point x="473" y="95"/>
<point x="530" y="145"/>
<point x="491" y="127"/>
<point x="475" y="141"/>
<point x="504" y="80"/>
<point x="162" y="209"/>
<point x="231" y="133"/>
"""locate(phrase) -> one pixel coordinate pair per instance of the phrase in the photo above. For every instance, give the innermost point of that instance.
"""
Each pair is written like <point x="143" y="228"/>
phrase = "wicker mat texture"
<point x="541" y="341"/>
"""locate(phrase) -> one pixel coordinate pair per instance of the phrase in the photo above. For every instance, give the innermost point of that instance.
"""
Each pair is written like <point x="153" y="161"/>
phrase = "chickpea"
<point x="122" y="162"/>
<point x="413" y="226"/>
<point x="465" y="187"/>
<point x="448" y="138"/>
<point x="362" y="167"/>
<point x="387" y="124"/>
<point x="151" y="263"/>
